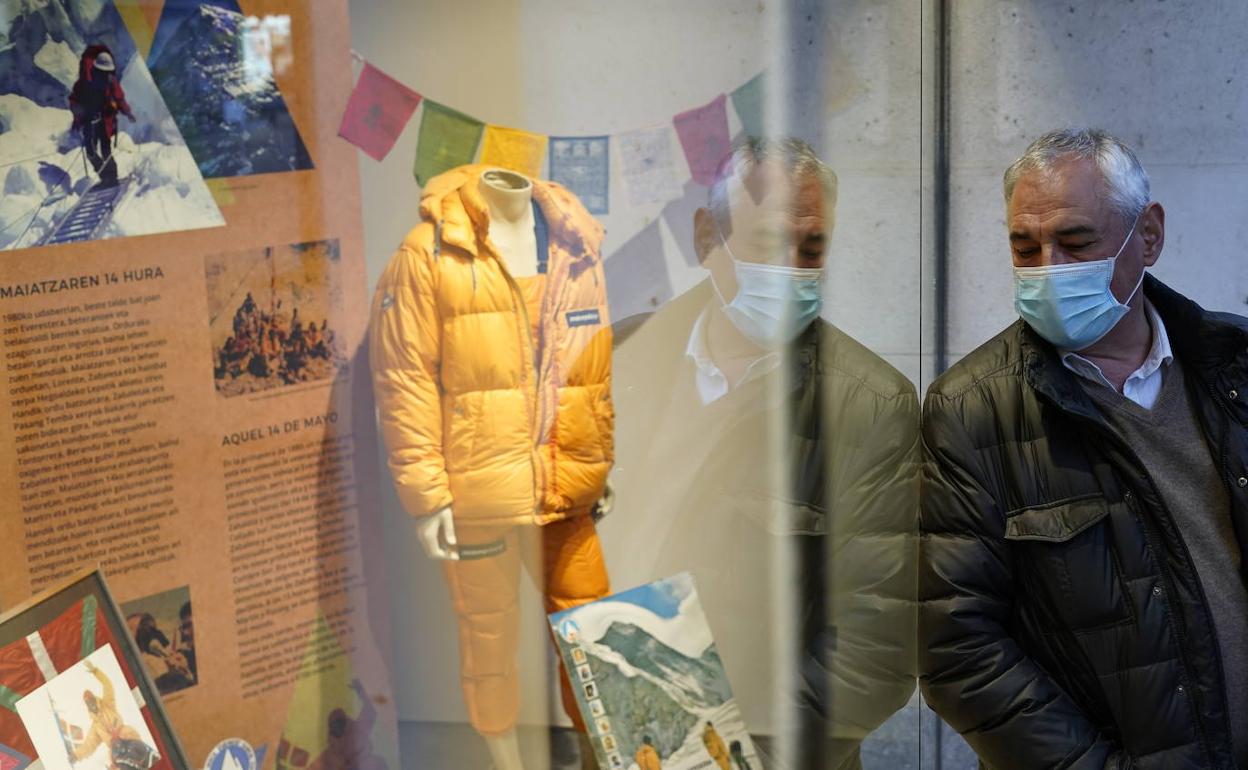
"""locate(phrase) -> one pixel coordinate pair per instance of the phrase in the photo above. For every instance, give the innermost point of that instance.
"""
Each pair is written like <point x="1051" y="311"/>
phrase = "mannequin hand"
<point x="605" y="503"/>
<point x="437" y="535"/>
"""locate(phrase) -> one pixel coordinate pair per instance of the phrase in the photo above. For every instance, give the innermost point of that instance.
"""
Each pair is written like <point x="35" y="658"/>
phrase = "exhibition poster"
<point x="649" y="681"/>
<point x="187" y="409"/>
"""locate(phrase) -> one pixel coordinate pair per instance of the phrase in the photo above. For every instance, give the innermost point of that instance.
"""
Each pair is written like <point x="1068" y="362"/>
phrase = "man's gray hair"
<point x="1126" y="182"/>
<point x="797" y="156"/>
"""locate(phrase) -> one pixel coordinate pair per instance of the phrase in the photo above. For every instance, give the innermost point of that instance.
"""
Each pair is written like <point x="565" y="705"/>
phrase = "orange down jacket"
<point x="475" y="412"/>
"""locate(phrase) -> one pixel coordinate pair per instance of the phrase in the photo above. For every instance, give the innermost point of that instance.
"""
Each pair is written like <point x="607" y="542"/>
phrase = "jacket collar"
<point x="463" y="216"/>
<point x="681" y="313"/>
<point x="1210" y="344"/>
<point x="1043" y="371"/>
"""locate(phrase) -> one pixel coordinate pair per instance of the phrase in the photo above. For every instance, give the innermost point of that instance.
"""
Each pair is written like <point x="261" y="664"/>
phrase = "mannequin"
<point x="508" y="264"/>
<point x="510" y="198"/>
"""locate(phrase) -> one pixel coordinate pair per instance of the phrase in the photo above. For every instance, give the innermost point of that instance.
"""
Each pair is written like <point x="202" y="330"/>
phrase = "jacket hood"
<point x="453" y="201"/>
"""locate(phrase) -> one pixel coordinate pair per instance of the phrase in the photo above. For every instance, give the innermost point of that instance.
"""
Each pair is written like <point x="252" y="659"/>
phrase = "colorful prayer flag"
<point x="377" y="112"/>
<point x="514" y="150"/>
<point x="648" y="166"/>
<point x="750" y="100"/>
<point x="448" y="138"/>
<point x="703" y="134"/>
<point x="582" y="164"/>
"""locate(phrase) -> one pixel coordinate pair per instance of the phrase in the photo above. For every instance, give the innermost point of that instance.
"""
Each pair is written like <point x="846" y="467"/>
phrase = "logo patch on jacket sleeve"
<point x="588" y="317"/>
<point x="387" y="301"/>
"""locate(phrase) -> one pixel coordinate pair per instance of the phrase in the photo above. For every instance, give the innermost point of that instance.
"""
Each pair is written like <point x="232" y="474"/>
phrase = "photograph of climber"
<point x="162" y="626"/>
<point x="88" y="147"/>
<point x="87" y="719"/>
<point x="271" y="316"/>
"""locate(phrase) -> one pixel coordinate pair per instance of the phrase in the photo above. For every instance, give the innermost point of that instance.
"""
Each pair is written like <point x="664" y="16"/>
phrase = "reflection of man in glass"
<point x="767" y="452"/>
<point x="125" y="745"/>
<point x="1085" y="510"/>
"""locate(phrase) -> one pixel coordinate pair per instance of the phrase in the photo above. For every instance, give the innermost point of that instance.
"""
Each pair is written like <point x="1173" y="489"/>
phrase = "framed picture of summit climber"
<point x="88" y="147"/>
<point x="73" y="692"/>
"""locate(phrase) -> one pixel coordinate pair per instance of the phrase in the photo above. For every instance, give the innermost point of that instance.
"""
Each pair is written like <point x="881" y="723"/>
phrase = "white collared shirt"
<point x="711" y="382"/>
<point x="1144" y="384"/>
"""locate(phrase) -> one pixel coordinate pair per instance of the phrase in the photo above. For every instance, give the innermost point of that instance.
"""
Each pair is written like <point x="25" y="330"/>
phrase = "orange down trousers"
<point x="565" y="560"/>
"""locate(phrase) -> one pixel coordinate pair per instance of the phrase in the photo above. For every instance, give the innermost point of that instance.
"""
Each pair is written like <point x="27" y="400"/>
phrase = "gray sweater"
<point x="1175" y="452"/>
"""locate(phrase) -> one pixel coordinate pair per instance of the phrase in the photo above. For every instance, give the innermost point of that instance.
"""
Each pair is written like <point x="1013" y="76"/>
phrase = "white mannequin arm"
<point x="436" y="533"/>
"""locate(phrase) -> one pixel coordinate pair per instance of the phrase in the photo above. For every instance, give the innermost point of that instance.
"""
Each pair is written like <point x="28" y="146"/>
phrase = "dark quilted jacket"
<point x="1062" y="623"/>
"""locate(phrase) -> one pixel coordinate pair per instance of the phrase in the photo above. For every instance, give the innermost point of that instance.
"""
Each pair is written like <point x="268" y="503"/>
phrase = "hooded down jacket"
<point x="470" y="415"/>
<point x="1063" y="624"/>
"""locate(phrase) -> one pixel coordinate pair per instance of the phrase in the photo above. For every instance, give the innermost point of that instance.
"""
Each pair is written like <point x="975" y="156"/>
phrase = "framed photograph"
<point x="74" y="693"/>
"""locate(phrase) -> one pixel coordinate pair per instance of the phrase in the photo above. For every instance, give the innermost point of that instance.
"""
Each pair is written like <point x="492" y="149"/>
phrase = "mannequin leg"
<point x="573" y="573"/>
<point x="505" y="750"/>
<point x="485" y="595"/>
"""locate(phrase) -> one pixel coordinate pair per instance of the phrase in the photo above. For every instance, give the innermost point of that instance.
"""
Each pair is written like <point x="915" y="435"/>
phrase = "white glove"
<point x="605" y="503"/>
<point x="436" y="533"/>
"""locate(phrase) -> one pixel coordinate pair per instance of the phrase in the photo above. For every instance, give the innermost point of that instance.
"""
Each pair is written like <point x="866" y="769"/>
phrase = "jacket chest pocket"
<point x="1065" y="552"/>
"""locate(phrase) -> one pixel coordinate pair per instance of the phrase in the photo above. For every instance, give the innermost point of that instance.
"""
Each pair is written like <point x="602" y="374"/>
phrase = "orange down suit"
<point x="512" y="430"/>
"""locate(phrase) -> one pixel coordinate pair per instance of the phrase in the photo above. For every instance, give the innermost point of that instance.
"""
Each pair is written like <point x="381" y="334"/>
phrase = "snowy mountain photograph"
<point x="215" y="68"/>
<point x="88" y="147"/>
<point x="656" y="694"/>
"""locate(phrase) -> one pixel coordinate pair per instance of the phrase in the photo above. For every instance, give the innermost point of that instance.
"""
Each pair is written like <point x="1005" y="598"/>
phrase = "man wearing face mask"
<point x="775" y="458"/>
<point x="1085" y="497"/>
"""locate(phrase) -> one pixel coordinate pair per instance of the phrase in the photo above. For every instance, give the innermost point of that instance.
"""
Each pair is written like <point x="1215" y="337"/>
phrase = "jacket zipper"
<point x="1227" y="416"/>
<point x="518" y="298"/>
<point x="1171" y="594"/>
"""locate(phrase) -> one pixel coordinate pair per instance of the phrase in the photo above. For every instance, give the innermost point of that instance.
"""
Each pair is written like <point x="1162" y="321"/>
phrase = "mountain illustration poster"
<point x="649" y="681"/>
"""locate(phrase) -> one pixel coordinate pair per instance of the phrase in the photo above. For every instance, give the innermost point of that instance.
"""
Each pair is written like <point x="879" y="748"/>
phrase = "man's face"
<point x="1061" y="216"/>
<point x="776" y="219"/>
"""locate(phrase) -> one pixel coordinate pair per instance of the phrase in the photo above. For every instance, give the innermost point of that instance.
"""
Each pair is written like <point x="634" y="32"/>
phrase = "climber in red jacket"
<point x="95" y="100"/>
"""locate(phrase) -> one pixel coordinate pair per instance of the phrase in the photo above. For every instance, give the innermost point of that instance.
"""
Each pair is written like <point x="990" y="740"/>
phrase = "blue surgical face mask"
<point x="1072" y="305"/>
<point x="774" y="303"/>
